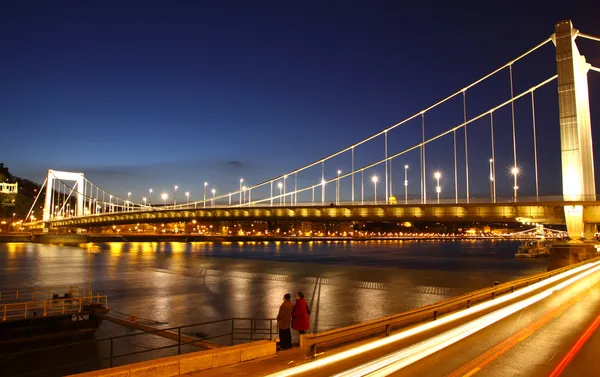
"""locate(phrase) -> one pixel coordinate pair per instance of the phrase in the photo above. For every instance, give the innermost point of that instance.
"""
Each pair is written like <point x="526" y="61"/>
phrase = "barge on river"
<point x="40" y="315"/>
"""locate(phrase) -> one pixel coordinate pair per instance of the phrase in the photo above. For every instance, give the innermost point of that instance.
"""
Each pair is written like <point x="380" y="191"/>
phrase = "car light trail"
<point x="391" y="363"/>
<point x="429" y="325"/>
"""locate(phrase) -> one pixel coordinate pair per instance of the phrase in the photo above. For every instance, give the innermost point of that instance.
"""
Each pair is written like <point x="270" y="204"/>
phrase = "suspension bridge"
<point x="366" y="190"/>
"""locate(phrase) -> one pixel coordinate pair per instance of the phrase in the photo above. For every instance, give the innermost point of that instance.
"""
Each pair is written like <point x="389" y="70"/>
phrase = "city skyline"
<point x="119" y="93"/>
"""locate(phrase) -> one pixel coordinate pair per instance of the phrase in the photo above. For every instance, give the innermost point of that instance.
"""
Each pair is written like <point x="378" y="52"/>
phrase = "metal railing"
<point x="49" y="307"/>
<point x="40" y="293"/>
<point x="138" y="346"/>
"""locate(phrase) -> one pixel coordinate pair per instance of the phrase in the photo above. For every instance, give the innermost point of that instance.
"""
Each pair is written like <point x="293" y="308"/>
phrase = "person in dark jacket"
<point x="284" y="320"/>
<point x="300" y="314"/>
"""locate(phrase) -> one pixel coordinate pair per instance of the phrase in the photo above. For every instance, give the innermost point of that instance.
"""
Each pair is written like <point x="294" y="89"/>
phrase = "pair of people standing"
<point x="294" y="316"/>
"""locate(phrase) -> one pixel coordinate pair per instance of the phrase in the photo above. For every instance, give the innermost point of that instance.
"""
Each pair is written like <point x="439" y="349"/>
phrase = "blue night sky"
<point x="151" y="94"/>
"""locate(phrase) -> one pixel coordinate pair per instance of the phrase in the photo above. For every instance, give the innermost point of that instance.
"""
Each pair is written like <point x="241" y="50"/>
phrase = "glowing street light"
<point x="214" y="193"/>
<point x="187" y="197"/>
<point x="205" y="184"/>
<point x="284" y="178"/>
<point x="175" y="195"/>
<point x="337" y="188"/>
<point x="164" y="197"/>
<point x="241" y="181"/>
<point x="280" y="185"/>
<point x="150" y="197"/>
<point x="491" y="179"/>
<point x="515" y="173"/>
<point x="405" y="184"/>
<point x="375" y="179"/>
<point x="144" y="200"/>
<point x="437" y="175"/>
<point x="244" y="194"/>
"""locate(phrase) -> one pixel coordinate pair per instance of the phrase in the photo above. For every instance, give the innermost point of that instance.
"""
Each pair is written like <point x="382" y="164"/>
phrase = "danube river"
<point x="344" y="282"/>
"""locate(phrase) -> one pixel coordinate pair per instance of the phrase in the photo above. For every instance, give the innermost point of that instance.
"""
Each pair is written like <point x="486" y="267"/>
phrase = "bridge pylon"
<point x="577" y="155"/>
<point x="77" y="188"/>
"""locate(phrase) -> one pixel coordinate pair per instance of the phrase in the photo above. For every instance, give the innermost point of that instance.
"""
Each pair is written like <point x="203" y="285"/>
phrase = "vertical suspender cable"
<point x="455" y="171"/>
<point x="391" y="180"/>
<point x="295" y="189"/>
<point x="535" y="155"/>
<point x="512" y="105"/>
<point x="493" y="157"/>
<point x="322" y="182"/>
<point x="271" y="194"/>
<point x="353" y="175"/>
<point x="362" y="187"/>
<point x="423" y="168"/>
<point x="466" y="144"/>
<point x="386" y="168"/>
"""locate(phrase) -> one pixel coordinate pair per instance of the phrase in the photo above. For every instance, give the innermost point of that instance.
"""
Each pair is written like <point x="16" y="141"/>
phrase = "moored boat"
<point x="41" y="314"/>
<point x="533" y="249"/>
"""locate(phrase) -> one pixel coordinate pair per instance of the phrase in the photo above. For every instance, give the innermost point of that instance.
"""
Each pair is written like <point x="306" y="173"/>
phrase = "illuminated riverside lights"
<point x="591" y="267"/>
<point x="515" y="172"/>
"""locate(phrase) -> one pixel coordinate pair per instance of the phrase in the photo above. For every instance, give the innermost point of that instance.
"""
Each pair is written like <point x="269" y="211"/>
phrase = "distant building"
<point x="9" y="188"/>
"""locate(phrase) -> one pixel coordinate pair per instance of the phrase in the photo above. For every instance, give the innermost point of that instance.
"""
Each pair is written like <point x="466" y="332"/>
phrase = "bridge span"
<point x="542" y="211"/>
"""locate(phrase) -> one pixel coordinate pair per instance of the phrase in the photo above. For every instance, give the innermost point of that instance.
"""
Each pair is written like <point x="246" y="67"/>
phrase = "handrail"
<point x="253" y="332"/>
<point x="33" y="293"/>
<point x="49" y="307"/>
<point x="380" y="325"/>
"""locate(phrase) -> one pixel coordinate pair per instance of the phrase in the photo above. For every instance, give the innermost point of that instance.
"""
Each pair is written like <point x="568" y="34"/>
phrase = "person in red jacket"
<point x="300" y="314"/>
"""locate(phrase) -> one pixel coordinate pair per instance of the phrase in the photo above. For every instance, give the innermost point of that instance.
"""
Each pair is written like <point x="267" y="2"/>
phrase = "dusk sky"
<point x="150" y="94"/>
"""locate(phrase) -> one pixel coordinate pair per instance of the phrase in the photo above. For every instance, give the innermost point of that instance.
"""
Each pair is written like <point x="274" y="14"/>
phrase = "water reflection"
<point x="344" y="281"/>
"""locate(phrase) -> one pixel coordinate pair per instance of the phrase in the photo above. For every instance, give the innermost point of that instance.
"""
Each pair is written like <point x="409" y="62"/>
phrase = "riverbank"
<point x="74" y="238"/>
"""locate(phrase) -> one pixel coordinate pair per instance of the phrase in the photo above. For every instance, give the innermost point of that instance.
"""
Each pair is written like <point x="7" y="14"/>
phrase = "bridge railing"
<point x="430" y="312"/>
<point x="39" y="293"/>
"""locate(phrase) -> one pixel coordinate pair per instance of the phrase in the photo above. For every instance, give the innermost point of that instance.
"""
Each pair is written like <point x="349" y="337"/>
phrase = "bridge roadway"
<point x="557" y="333"/>
<point x="544" y="211"/>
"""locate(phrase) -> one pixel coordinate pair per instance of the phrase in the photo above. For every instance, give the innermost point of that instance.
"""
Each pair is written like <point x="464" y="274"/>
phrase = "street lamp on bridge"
<point x="214" y="200"/>
<point x="164" y="197"/>
<point x="175" y="195"/>
<point x="144" y="200"/>
<point x="280" y="185"/>
<point x="515" y="173"/>
<point x="204" y="203"/>
<point x="492" y="179"/>
<point x="150" y="197"/>
<point x="244" y="194"/>
<point x="375" y="179"/>
<point x="128" y="195"/>
<point x="405" y="184"/>
<point x="284" y="178"/>
<point x="337" y="188"/>
<point x="241" y="181"/>
<point x="323" y="183"/>
<point x="187" y="197"/>
<point x="438" y="188"/>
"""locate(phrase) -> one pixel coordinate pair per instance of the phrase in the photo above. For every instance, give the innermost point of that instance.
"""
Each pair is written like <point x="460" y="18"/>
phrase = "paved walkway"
<point x="261" y="367"/>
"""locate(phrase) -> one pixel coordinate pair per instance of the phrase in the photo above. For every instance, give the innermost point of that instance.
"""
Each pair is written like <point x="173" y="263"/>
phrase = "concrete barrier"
<point x="190" y="362"/>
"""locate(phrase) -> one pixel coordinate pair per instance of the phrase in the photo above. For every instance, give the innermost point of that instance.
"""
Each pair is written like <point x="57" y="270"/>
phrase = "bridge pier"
<point x="575" y="130"/>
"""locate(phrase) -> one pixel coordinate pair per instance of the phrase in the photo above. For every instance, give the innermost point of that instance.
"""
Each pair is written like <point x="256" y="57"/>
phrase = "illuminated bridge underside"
<point x="546" y="213"/>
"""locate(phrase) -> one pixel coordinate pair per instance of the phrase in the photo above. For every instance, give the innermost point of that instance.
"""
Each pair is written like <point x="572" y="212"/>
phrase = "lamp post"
<point x="515" y="173"/>
<point x="313" y="194"/>
<point x="187" y="198"/>
<point x="323" y="183"/>
<point x="491" y="180"/>
<point x="337" y="188"/>
<point x="205" y="184"/>
<point x="375" y="179"/>
<point x="144" y="200"/>
<point x="405" y="184"/>
<point x="244" y="194"/>
<point x="280" y="185"/>
<point x="164" y="197"/>
<point x="284" y="178"/>
<point x="128" y="195"/>
<point x="175" y="195"/>
<point x="110" y="207"/>
<point x="150" y="197"/>
<point x="241" y="181"/>
<point x="438" y="188"/>
<point x="214" y="192"/>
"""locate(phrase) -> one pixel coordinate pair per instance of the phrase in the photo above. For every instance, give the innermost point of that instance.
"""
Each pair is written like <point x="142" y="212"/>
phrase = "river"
<point x="344" y="282"/>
